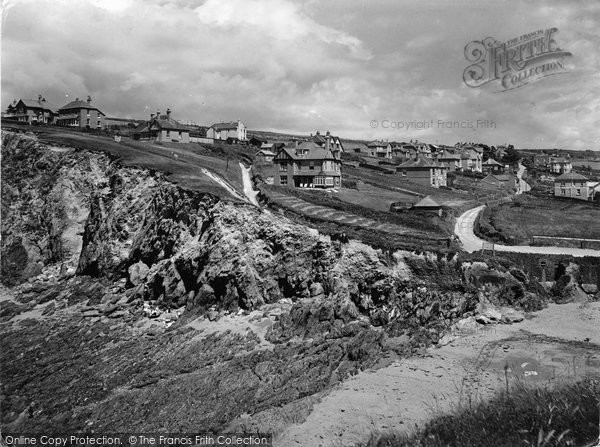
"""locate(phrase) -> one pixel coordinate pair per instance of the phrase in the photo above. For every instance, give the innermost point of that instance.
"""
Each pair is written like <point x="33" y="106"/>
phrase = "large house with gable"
<point x="31" y="111"/>
<point x="335" y="144"/>
<point x="80" y="114"/>
<point x="307" y="165"/>
<point x="575" y="186"/>
<point x="232" y="131"/>
<point x="163" y="128"/>
<point x="424" y="171"/>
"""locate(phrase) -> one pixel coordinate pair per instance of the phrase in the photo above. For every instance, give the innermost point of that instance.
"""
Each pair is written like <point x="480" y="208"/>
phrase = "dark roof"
<point x="314" y="152"/>
<point x="167" y="124"/>
<point x="420" y="163"/>
<point x="265" y="152"/>
<point x="570" y="176"/>
<point x="491" y="162"/>
<point x="38" y="104"/>
<point x="78" y="104"/>
<point x="225" y="126"/>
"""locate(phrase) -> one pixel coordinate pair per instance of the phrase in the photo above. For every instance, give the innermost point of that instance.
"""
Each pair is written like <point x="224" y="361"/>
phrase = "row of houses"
<point x="555" y="164"/>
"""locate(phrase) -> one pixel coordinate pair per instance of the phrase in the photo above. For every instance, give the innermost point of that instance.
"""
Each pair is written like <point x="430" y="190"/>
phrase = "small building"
<point x="471" y="158"/>
<point x="560" y="165"/>
<point x="574" y="186"/>
<point x="307" y="165"/>
<point x="162" y="128"/>
<point x="427" y="204"/>
<point x="31" y="111"/>
<point x="381" y="149"/>
<point x="234" y="130"/>
<point x="256" y="141"/>
<point x="491" y="166"/>
<point x="81" y="114"/>
<point x="264" y="155"/>
<point x="541" y="160"/>
<point x="356" y="148"/>
<point x="424" y="171"/>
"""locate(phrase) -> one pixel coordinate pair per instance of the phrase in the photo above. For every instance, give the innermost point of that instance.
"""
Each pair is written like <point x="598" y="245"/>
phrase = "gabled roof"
<point x="570" y="176"/>
<point x="378" y="144"/>
<point x="78" y="104"/>
<point x="427" y="202"/>
<point x="226" y="126"/>
<point x="447" y="155"/>
<point x="38" y="104"/>
<point x="164" y="123"/>
<point x="421" y="162"/>
<point x="312" y="149"/>
<point x="559" y="160"/>
<point x="266" y="153"/>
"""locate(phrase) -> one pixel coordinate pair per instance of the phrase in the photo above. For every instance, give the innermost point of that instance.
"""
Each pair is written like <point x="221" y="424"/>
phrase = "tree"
<point x="511" y="156"/>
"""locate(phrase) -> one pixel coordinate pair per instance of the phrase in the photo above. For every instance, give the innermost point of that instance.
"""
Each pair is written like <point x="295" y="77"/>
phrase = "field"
<point x="182" y="162"/>
<point x="528" y="216"/>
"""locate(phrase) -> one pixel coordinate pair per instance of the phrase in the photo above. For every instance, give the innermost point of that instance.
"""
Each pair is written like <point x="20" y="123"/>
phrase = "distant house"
<point x="560" y="165"/>
<point x="575" y="186"/>
<point x="507" y="182"/>
<point x="307" y="165"/>
<point x="471" y="158"/>
<point x="256" y="141"/>
<point x="491" y="166"/>
<point x="403" y="151"/>
<point x="335" y="144"/>
<point x="381" y="149"/>
<point x="264" y="155"/>
<point x="449" y="159"/>
<point x="234" y="131"/>
<point x="541" y="160"/>
<point x="163" y="128"/>
<point x="31" y="111"/>
<point x="424" y="171"/>
<point x="80" y="114"/>
<point x="356" y="148"/>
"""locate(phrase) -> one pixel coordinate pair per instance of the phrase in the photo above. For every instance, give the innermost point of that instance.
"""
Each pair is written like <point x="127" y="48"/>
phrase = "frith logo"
<point x="515" y="62"/>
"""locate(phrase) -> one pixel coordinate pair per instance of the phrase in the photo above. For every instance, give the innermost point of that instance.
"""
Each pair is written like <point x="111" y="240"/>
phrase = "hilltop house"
<point x="31" y="111"/>
<point x="232" y="131"/>
<point x="540" y="160"/>
<point x="403" y="151"/>
<point x="162" y="128"/>
<point x="575" y="186"/>
<point x="81" y="114"/>
<point x="491" y="166"/>
<point x="335" y="145"/>
<point x="560" y="165"/>
<point x="381" y="149"/>
<point x="449" y="159"/>
<point x="424" y="171"/>
<point x="307" y="165"/>
<point x="264" y="155"/>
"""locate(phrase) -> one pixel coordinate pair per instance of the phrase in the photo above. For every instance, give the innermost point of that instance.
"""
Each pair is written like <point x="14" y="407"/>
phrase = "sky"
<point x="366" y="70"/>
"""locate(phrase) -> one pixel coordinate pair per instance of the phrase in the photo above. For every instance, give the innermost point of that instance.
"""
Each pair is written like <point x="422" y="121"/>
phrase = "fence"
<point x="565" y="242"/>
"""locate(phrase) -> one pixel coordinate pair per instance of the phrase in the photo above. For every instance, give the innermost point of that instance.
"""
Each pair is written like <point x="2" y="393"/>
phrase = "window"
<point x="312" y="166"/>
<point x="168" y="134"/>
<point x="329" y="181"/>
<point x="562" y="184"/>
<point x="563" y="191"/>
<point x="403" y="173"/>
<point x="98" y="123"/>
<point x="87" y="122"/>
<point x="283" y="180"/>
<point x="282" y="167"/>
<point x="578" y="191"/>
<point x="88" y="113"/>
<point x="180" y="135"/>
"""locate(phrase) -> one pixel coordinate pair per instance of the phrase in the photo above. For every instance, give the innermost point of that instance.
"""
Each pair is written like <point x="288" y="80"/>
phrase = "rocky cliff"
<point x="94" y="252"/>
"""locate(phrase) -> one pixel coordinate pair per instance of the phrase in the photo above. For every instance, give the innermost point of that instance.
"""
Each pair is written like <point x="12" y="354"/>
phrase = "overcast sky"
<point x="300" y="66"/>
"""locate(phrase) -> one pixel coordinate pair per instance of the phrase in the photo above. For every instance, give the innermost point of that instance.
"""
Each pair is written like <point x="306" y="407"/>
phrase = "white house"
<point x="223" y="131"/>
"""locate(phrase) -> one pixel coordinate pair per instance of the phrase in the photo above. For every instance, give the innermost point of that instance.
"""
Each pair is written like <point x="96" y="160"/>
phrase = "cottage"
<point x="381" y="149"/>
<point x="31" y="111"/>
<point x="81" y="114"/>
<point x="507" y="182"/>
<point x="541" y="160"/>
<point x="491" y="166"/>
<point x="427" y="204"/>
<point x="234" y="131"/>
<point x="471" y="158"/>
<point x="307" y="165"/>
<point x="575" y="186"/>
<point x="403" y="151"/>
<point x="162" y="128"/>
<point x="424" y="171"/>
<point x="560" y="165"/>
<point x="255" y="141"/>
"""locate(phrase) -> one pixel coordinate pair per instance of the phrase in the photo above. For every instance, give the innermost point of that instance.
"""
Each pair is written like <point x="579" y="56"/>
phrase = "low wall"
<point x="565" y="242"/>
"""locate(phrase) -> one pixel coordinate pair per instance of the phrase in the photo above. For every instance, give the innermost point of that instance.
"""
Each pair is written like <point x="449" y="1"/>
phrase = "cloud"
<point x="305" y="65"/>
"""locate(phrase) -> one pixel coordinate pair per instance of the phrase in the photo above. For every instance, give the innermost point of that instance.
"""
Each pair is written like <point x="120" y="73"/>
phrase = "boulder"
<point x="590" y="288"/>
<point x="510" y="316"/>
<point x="138" y="273"/>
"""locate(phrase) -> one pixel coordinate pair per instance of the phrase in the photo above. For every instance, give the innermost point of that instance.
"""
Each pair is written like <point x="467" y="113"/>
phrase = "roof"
<point x="491" y="162"/>
<point x="165" y="123"/>
<point x="314" y="152"/>
<point x="570" y="176"/>
<point x="378" y="144"/>
<point x="427" y="202"/>
<point x="447" y="155"/>
<point x="559" y="160"/>
<point x="37" y="104"/>
<point x="225" y="126"/>
<point x="420" y="163"/>
<point x="78" y="104"/>
<point x="266" y="153"/>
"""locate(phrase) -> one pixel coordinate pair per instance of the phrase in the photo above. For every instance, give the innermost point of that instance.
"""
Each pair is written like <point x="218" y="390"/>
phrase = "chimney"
<point x="39" y="98"/>
<point x="318" y="132"/>
<point x="328" y="133"/>
<point x="168" y="113"/>
<point x="76" y="99"/>
<point x="158" y="114"/>
<point x="89" y="99"/>
<point x="151" y="116"/>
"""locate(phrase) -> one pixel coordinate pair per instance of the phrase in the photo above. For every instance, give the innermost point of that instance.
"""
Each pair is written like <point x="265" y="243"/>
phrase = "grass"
<point x="181" y="161"/>
<point x="545" y="216"/>
<point x="563" y="415"/>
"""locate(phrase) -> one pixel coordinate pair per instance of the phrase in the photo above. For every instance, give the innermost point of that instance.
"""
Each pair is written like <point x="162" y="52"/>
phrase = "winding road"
<point x="470" y="242"/>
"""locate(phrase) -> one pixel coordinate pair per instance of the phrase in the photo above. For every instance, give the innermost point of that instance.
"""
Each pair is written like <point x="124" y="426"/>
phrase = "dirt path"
<point x="549" y="347"/>
<point x="470" y="242"/>
<point x="247" y="182"/>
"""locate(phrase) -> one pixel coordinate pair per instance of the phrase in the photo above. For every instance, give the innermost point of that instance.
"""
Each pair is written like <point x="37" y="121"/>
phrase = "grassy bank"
<point x="565" y="415"/>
